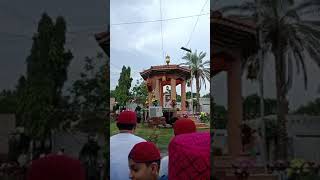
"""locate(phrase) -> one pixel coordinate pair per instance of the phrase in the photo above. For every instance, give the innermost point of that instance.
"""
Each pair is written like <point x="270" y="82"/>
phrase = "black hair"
<point x="125" y="126"/>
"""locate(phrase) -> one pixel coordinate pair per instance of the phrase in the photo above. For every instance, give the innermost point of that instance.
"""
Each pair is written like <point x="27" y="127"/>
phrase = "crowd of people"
<point x="43" y="164"/>
<point x="132" y="157"/>
<point x="53" y="166"/>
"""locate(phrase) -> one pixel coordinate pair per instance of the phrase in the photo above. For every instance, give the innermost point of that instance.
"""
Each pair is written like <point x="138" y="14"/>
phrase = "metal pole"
<point x="191" y="95"/>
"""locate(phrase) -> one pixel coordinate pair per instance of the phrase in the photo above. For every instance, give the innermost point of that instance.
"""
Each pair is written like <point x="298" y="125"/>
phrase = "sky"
<point x="140" y="45"/>
<point x="137" y="45"/>
<point x="19" y="22"/>
<point x="297" y="95"/>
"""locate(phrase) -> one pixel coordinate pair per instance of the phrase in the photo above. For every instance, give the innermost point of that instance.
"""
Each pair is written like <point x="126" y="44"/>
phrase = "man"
<point x="144" y="161"/>
<point x="181" y="126"/>
<point x="184" y="126"/>
<point x="89" y="155"/>
<point x="190" y="156"/>
<point x="121" y="144"/>
<point x="53" y="167"/>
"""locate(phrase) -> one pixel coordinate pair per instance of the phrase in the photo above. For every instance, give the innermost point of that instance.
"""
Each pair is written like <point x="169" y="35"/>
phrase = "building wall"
<point x="8" y="123"/>
<point x="72" y="142"/>
<point x="205" y="105"/>
<point x="112" y="103"/>
<point x="303" y="133"/>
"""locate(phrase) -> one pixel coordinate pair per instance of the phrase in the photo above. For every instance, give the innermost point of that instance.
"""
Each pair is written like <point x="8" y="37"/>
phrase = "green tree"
<point x="40" y="90"/>
<point x="8" y="101"/>
<point x="288" y="32"/>
<point x="219" y="117"/>
<point x="199" y="69"/>
<point x="188" y="95"/>
<point x="206" y="95"/>
<point x="178" y="98"/>
<point x="112" y="94"/>
<point x="140" y="92"/>
<point x="251" y="107"/>
<point x="312" y="108"/>
<point x="124" y="84"/>
<point x="89" y="93"/>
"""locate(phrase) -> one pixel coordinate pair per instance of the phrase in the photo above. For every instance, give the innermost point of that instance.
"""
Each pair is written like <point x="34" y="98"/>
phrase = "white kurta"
<point x="164" y="166"/>
<point x="120" y="146"/>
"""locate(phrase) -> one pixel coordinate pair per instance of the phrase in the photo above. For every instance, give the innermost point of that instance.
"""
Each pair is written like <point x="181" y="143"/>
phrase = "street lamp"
<point x="189" y="50"/>
<point x="185" y="49"/>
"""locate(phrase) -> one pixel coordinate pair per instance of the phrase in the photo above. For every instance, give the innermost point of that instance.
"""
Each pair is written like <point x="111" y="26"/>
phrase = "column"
<point x="183" y="96"/>
<point x="161" y="95"/>
<point x="234" y="109"/>
<point x="173" y="89"/>
<point x="157" y="90"/>
<point x="150" y="98"/>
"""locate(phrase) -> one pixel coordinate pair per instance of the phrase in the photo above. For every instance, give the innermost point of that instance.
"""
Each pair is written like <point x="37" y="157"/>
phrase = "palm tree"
<point x="290" y="34"/>
<point x="199" y="70"/>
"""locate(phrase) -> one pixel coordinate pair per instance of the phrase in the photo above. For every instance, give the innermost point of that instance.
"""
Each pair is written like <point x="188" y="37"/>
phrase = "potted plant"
<point x="204" y="118"/>
<point x="155" y="102"/>
<point x="299" y="169"/>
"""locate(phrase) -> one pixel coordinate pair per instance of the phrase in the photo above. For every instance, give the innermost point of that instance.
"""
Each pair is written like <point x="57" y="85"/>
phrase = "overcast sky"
<point x="139" y="45"/>
<point x="297" y="95"/>
<point x="19" y="22"/>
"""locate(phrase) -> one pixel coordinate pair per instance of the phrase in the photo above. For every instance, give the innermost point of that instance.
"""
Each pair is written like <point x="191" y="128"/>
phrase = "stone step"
<point x="202" y="126"/>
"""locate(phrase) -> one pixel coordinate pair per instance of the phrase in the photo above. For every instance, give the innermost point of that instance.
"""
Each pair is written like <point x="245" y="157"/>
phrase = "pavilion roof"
<point x="232" y="31"/>
<point x="171" y="69"/>
<point x="103" y="38"/>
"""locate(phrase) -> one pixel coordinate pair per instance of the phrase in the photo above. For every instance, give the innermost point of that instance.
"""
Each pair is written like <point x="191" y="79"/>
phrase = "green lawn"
<point x="164" y="134"/>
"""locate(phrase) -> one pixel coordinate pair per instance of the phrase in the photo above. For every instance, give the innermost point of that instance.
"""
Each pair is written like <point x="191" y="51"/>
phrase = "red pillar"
<point x="183" y="96"/>
<point x="234" y="108"/>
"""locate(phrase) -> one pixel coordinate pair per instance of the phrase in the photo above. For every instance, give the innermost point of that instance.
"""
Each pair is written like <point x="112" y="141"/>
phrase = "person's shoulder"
<point x="137" y="138"/>
<point x="114" y="136"/>
<point x="165" y="158"/>
<point x="163" y="177"/>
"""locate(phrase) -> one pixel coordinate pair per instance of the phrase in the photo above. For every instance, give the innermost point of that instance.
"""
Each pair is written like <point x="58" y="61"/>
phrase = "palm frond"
<point x="298" y="55"/>
<point x="203" y="79"/>
<point x="291" y="14"/>
<point x="311" y="22"/>
<point x="206" y="63"/>
<point x="314" y="53"/>
<point x="306" y="4"/>
<point x="289" y="71"/>
<point x="202" y="55"/>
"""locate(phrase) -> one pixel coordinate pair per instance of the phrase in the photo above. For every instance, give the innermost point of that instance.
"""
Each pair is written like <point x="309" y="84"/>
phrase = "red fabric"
<point x="54" y="167"/>
<point x="144" y="152"/>
<point x="189" y="156"/>
<point x="127" y="117"/>
<point x="183" y="126"/>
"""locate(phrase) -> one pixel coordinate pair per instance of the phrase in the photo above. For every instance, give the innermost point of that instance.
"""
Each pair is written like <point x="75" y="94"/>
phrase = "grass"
<point x="164" y="134"/>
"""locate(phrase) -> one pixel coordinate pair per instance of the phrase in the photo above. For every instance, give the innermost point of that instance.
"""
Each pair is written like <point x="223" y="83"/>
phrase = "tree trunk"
<point x="198" y="93"/>
<point x="281" y="101"/>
